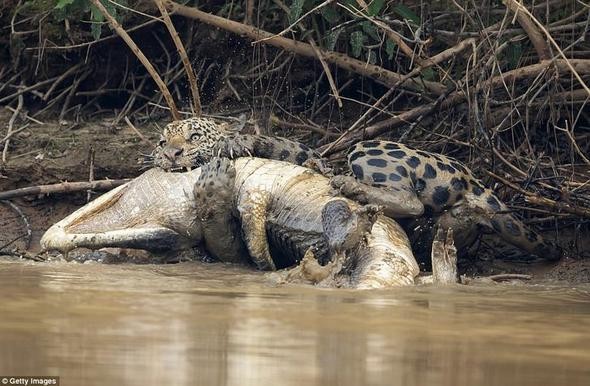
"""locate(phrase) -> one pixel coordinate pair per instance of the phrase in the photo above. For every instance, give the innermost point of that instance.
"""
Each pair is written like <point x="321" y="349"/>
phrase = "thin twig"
<point x="522" y="8"/>
<point x="188" y="69"/>
<point x="25" y="221"/>
<point x="142" y="58"/>
<point x="139" y="134"/>
<point x="528" y="26"/>
<point x="10" y="126"/>
<point x="327" y="71"/>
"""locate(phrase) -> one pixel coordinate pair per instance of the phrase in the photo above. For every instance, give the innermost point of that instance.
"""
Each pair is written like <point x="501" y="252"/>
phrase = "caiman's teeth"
<point x="188" y="168"/>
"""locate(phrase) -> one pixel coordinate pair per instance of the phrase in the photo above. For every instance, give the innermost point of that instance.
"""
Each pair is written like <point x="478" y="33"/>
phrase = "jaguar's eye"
<point x="194" y="136"/>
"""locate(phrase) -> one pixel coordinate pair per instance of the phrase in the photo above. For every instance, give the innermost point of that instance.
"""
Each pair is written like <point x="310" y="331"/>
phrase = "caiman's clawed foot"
<point x="344" y="228"/>
<point x="309" y="270"/>
<point x="319" y="165"/>
<point x="444" y="257"/>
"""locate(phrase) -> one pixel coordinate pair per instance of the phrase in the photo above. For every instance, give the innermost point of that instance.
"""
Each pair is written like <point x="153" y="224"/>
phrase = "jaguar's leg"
<point x="396" y="203"/>
<point x="262" y="146"/>
<point x="213" y="194"/>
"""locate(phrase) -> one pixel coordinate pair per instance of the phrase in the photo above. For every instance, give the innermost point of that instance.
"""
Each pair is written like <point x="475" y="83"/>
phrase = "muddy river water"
<point x="208" y="324"/>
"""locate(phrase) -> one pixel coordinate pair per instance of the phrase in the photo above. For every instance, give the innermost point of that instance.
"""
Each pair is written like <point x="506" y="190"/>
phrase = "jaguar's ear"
<point x="235" y="125"/>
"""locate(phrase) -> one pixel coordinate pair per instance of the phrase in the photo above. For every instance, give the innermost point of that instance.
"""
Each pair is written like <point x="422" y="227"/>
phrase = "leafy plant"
<point x="78" y="8"/>
<point x="341" y="24"/>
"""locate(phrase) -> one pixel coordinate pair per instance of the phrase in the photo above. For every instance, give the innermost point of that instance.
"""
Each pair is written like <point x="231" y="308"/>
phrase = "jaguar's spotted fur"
<point x="439" y="184"/>
<point x="410" y="182"/>
<point x="193" y="142"/>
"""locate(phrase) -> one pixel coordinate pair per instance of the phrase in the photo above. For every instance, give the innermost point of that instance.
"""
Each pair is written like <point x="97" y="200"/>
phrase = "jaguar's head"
<point x="187" y="144"/>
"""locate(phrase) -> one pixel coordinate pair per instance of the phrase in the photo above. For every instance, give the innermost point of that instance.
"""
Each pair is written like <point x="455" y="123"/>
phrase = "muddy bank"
<point x="53" y="153"/>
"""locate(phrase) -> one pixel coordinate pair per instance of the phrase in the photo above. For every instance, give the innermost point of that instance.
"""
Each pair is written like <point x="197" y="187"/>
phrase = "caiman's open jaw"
<point x="152" y="212"/>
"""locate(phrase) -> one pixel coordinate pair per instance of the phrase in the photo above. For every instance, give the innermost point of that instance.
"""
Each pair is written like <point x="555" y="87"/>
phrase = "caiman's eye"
<point x="162" y="142"/>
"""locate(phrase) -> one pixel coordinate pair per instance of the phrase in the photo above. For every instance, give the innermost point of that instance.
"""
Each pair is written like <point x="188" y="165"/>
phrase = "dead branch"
<point x="529" y="27"/>
<point x="509" y="276"/>
<point x="427" y="63"/>
<point x="444" y="102"/>
<point x="10" y="126"/>
<point x="91" y="154"/>
<point x="537" y="199"/>
<point x="327" y="72"/>
<point x="142" y="58"/>
<point x="139" y="134"/>
<point x="63" y="76"/>
<point x="378" y="73"/>
<point x="27" y="89"/>
<point x="571" y="67"/>
<point x="64" y="187"/>
<point x="26" y="222"/>
<point x="188" y="69"/>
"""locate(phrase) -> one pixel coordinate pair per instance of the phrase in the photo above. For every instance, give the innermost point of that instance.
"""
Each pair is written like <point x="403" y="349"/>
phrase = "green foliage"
<point x="63" y="3"/>
<point x="357" y="39"/>
<point x="345" y="29"/>
<point x="374" y="7"/>
<point x="390" y="47"/>
<point x="331" y="15"/>
<point x="76" y="11"/>
<point x="513" y="54"/>
<point x="406" y="13"/>
<point x="296" y="10"/>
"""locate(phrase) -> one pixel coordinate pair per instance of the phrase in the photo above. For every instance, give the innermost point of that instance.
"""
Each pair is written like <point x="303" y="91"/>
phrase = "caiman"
<point x="248" y="210"/>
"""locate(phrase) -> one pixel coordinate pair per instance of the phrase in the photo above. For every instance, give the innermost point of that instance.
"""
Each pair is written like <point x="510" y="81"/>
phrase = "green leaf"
<point x="357" y="38"/>
<point x="352" y="4"/>
<point x="63" y="3"/>
<point x="406" y="13"/>
<point x="390" y="48"/>
<point x="96" y="30"/>
<point x="374" y="7"/>
<point x="296" y="9"/>
<point x="330" y="14"/>
<point x="428" y="74"/>
<point x="97" y="18"/>
<point x="372" y="57"/>
<point x="370" y="29"/>
<point x="513" y="54"/>
<point x="331" y="39"/>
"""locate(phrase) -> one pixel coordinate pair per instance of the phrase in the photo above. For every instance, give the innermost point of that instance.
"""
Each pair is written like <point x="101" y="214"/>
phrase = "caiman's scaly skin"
<point x="268" y="212"/>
